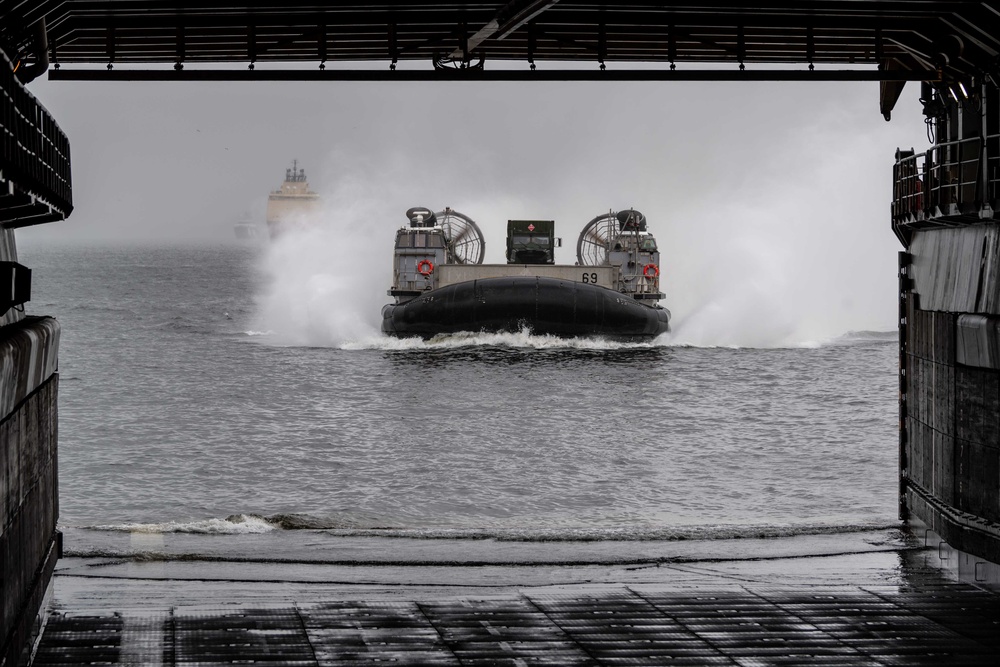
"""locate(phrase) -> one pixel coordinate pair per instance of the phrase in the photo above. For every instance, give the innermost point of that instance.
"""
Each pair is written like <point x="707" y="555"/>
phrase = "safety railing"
<point x="34" y="156"/>
<point x="992" y="166"/>
<point x="952" y="179"/>
<point x="908" y="187"/>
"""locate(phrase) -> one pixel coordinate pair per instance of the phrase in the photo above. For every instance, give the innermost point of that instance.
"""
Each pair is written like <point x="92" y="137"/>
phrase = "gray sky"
<point x="777" y="192"/>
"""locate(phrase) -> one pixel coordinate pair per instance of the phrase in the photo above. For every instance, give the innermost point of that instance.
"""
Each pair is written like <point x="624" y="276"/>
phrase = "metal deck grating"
<point x="959" y="625"/>
<point x="355" y="633"/>
<point x="502" y="632"/>
<point x="265" y="636"/>
<point x="81" y="640"/>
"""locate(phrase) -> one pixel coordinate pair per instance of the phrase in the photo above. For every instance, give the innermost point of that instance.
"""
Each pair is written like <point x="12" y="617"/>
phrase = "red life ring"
<point x="425" y="267"/>
<point x="651" y="271"/>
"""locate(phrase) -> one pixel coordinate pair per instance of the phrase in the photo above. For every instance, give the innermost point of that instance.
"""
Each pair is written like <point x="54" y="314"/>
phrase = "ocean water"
<point x="183" y="410"/>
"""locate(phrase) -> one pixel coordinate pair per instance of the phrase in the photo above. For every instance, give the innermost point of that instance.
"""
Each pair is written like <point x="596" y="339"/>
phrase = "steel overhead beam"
<point x="490" y="75"/>
<point x="840" y="33"/>
<point x="511" y="17"/>
<point x="481" y="36"/>
<point x="522" y="13"/>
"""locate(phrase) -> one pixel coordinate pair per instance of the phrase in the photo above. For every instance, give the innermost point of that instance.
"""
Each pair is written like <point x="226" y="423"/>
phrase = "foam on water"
<point x="523" y="339"/>
<point x="249" y="524"/>
<point x="238" y="524"/>
<point x="526" y="340"/>
<point x="622" y="534"/>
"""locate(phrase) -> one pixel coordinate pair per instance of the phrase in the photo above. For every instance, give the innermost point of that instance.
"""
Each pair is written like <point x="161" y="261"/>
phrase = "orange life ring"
<point x="425" y="267"/>
<point x="651" y="271"/>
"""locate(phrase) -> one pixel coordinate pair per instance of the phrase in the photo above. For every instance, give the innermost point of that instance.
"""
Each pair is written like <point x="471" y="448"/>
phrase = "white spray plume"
<point x="796" y="251"/>
<point x="328" y="273"/>
<point x="327" y="279"/>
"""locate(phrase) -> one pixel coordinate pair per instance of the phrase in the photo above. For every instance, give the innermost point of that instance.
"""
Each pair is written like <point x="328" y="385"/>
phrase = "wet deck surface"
<point x="889" y="606"/>
<point x="953" y="625"/>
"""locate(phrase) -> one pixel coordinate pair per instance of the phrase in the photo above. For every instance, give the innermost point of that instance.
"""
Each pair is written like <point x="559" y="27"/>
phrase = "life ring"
<point x="425" y="267"/>
<point x="651" y="271"/>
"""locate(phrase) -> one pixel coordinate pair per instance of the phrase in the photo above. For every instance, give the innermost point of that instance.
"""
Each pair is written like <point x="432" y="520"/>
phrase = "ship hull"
<point x="548" y="306"/>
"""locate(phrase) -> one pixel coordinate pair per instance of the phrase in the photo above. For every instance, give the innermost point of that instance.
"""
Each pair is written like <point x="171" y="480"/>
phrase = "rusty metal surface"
<point x="954" y="624"/>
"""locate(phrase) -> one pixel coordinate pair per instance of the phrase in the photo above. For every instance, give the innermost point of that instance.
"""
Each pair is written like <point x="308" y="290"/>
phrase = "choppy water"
<point x="180" y="412"/>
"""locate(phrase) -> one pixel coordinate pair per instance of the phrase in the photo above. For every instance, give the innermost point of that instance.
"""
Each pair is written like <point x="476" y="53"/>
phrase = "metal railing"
<point x="952" y="179"/>
<point x="34" y="156"/>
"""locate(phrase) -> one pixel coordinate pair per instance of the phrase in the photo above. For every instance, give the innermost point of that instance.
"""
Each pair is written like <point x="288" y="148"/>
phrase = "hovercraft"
<point x="441" y="285"/>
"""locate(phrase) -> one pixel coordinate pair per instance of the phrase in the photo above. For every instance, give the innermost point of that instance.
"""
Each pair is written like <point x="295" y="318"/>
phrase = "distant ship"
<point x="246" y="228"/>
<point x="441" y="285"/>
<point x="289" y="206"/>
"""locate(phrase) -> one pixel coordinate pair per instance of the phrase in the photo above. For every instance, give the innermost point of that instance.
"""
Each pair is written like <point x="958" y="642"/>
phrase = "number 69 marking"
<point x="590" y="277"/>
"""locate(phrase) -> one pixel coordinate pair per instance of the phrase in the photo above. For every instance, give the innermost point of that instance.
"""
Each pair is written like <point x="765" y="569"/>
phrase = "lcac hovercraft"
<point x="441" y="285"/>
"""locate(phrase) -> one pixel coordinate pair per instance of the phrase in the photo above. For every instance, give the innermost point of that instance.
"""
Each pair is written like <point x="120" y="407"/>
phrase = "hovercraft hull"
<point x="546" y="306"/>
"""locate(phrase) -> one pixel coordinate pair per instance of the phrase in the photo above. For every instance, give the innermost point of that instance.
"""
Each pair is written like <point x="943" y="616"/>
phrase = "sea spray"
<point x="328" y="275"/>
<point x="326" y="281"/>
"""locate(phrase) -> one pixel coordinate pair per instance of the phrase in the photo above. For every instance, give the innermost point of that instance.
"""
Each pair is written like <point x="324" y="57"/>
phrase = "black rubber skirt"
<point x="542" y="305"/>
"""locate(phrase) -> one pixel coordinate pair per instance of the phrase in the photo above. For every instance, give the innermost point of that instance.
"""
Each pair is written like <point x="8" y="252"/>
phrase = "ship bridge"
<point x="943" y="201"/>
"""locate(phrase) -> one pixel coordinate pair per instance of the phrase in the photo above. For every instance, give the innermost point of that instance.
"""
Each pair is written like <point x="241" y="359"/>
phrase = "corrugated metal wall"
<point x="952" y="436"/>
<point x="30" y="507"/>
<point x="958" y="270"/>
<point x="29" y="502"/>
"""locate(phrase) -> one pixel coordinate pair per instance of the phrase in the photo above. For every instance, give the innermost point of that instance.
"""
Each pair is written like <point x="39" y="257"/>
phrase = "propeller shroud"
<point x="466" y="244"/>
<point x="596" y="239"/>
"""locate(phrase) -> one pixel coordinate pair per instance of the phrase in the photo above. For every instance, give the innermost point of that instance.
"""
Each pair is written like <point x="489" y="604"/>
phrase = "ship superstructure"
<point x="440" y="284"/>
<point x="290" y="206"/>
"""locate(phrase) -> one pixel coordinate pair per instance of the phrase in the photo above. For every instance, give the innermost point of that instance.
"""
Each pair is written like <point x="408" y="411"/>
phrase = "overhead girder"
<point x="620" y="41"/>
<point x="848" y="32"/>
<point x="426" y="75"/>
